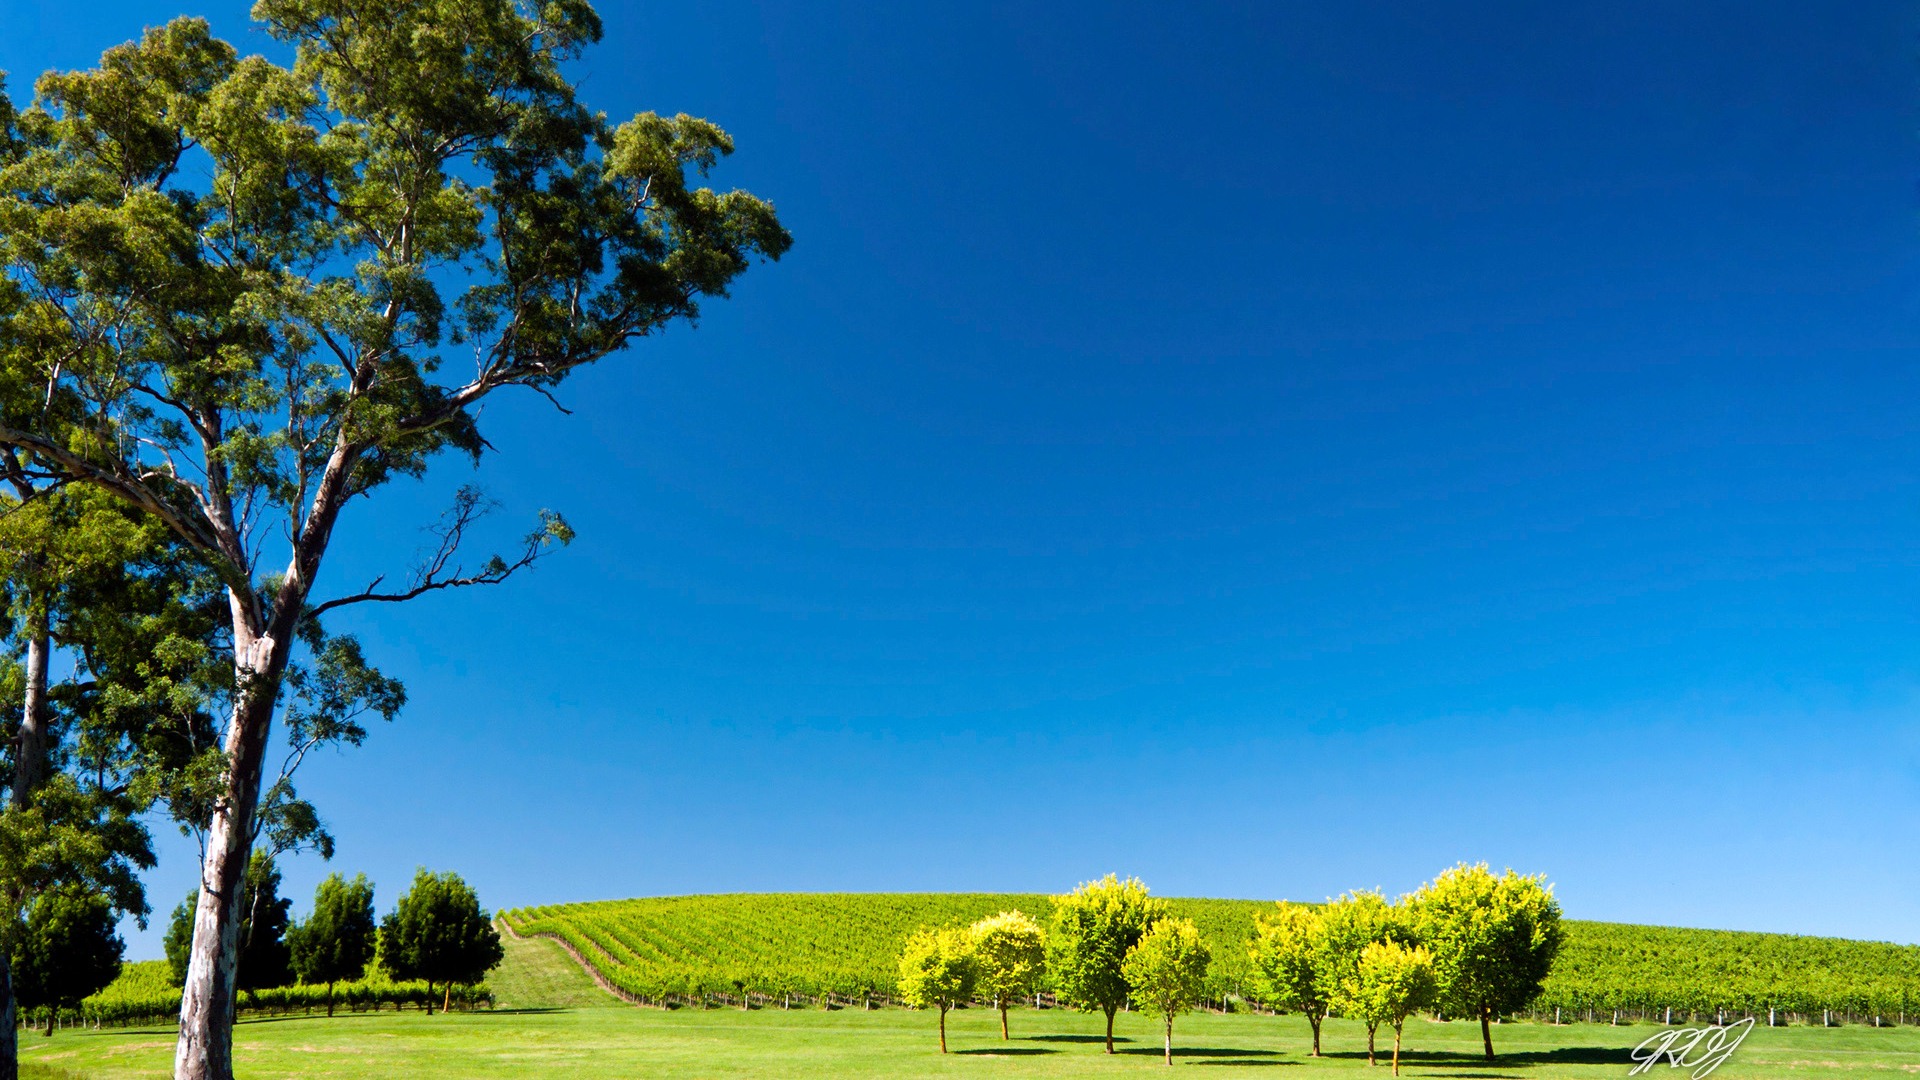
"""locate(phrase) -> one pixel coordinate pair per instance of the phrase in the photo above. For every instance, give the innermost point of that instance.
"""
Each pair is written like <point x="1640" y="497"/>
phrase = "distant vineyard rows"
<point x="809" y="944"/>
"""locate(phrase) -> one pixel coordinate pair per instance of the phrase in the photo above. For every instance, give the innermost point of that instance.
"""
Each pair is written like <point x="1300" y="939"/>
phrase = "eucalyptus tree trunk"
<point x="207" y="1000"/>
<point x="30" y="768"/>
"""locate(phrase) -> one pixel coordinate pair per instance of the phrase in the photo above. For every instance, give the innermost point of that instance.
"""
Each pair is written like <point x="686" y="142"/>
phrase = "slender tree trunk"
<point x="9" y="1024"/>
<point x="52" y="1012"/>
<point x="1003" y="1020"/>
<point x="1169" y="1039"/>
<point x="205" y="1047"/>
<point x="30" y="768"/>
<point x="429" y="997"/>
<point x="943" y="1029"/>
<point x="1371" y="1028"/>
<point x="1486" y="1029"/>
<point x="1314" y="1018"/>
<point x="329" y="1001"/>
<point x="1396" y="1049"/>
<point x="446" y="1005"/>
<point x="1109" y="1029"/>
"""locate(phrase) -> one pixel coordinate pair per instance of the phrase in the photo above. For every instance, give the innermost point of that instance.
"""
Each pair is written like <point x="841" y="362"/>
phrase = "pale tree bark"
<point x="1169" y="1040"/>
<point x="30" y="769"/>
<point x="207" y="1000"/>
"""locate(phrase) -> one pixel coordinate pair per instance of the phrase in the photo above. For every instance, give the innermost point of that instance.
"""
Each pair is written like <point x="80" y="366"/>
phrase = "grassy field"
<point x="553" y="1023"/>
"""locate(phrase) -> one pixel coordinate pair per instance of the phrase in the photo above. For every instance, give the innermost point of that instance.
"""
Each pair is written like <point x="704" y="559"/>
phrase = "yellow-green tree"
<point x="1493" y="940"/>
<point x="1167" y="971"/>
<point x="1389" y="983"/>
<point x="1349" y="925"/>
<point x="937" y="971"/>
<point x="1010" y="952"/>
<point x="1285" y="953"/>
<point x="1094" y="927"/>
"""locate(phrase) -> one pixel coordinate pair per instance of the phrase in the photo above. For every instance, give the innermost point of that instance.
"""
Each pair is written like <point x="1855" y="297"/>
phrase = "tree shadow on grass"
<point x="1265" y="1057"/>
<point x="1076" y="1038"/>
<point x="1518" y="1059"/>
<point x="1008" y="1051"/>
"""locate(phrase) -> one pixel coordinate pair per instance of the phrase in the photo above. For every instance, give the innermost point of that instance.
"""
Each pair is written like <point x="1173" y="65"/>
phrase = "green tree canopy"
<point x="65" y="950"/>
<point x="1493" y="940"/>
<point x="1349" y="924"/>
<point x="1167" y="971"/>
<point x="938" y="971"/>
<point x="439" y="933"/>
<point x="335" y="942"/>
<point x="1286" y="956"/>
<point x="1094" y="927"/>
<point x="1011" y="951"/>
<point x="1389" y="982"/>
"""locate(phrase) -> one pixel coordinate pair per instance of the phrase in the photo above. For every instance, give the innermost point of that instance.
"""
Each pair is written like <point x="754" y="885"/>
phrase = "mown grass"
<point x="553" y="1023"/>
<point x="622" y="1041"/>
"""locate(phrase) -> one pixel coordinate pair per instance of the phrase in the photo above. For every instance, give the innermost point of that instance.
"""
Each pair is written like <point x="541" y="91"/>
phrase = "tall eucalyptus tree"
<point x="256" y="292"/>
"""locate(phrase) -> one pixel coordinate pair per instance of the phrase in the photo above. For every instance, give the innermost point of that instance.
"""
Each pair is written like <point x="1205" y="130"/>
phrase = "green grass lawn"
<point x="630" y="1042"/>
<point x="553" y="1022"/>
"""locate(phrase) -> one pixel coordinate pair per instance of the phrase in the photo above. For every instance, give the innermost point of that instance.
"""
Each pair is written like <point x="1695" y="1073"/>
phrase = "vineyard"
<point x="805" y="948"/>
<point x="143" y="994"/>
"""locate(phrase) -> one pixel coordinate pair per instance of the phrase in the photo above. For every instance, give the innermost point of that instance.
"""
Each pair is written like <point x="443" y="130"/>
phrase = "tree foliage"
<point x="336" y="941"/>
<point x="1286" y="954"/>
<point x="1389" y="982"/>
<point x="1011" y="953"/>
<point x="1493" y="940"/>
<point x="938" y="971"/>
<point x="65" y="950"/>
<point x="1094" y="927"/>
<point x="439" y="933"/>
<point x="1167" y="971"/>
<point x="1349" y="925"/>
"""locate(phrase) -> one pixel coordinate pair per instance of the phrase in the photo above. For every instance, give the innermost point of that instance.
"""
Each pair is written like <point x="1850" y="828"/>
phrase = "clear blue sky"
<point x="1267" y="449"/>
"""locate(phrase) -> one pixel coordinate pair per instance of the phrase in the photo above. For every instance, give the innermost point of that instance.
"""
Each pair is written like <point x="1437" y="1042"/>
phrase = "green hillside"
<point x="808" y="944"/>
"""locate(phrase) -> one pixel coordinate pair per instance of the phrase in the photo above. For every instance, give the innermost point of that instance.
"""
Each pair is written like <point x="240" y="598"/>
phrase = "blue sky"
<point x="1268" y="449"/>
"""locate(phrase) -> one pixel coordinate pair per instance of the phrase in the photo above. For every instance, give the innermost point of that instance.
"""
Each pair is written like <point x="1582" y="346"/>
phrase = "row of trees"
<point x="230" y="289"/>
<point x="1470" y="943"/>
<point x="437" y="934"/>
<point x="67" y="949"/>
<point x="1487" y="942"/>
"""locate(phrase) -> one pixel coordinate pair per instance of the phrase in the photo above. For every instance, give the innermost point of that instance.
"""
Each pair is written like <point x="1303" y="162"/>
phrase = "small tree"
<point x="439" y="933"/>
<point x="1011" y="952"/>
<point x="1493" y="940"/>
<point x="336" y="941"/>
<point x="1389" y="983"/>
<point x="67" y="951"/>
<point x="1286" y="963"/>
<point x="265" y="960"/>
<point x="1348" y="925"/>
<point x="1094" y="927"/>
<point x="1167" y="971"/>
<point x="937" y="971"/>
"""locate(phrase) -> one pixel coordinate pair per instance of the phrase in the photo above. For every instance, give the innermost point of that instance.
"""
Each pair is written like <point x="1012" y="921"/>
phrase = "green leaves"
<point x="937" y="969"/>
<point x="1494" y="939"/>
<point x="438" y="932"/>
<point x="1167" y="970"/>
<point x="1093" y="929"/>
<point x="336" y="941"/>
